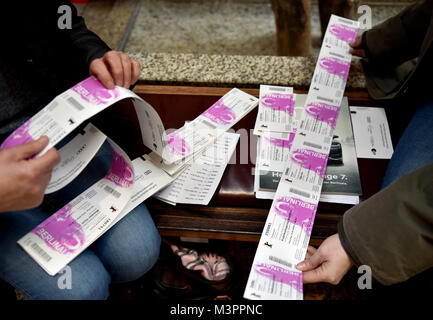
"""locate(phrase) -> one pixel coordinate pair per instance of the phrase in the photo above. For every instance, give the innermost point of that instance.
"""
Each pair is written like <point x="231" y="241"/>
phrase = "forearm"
<point x="399" y="38"/>
<point x="392" y="232"/>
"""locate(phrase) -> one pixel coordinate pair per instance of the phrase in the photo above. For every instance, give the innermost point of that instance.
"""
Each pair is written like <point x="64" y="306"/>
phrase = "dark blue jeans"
<point x="124" y="253"/>
<point x="415" y="148"/>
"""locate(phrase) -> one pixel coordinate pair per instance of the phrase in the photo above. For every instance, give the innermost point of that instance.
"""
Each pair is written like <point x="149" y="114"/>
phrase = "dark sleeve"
<point x="399" y="38"/>
<point x="392" y="232"/>
<point x="86" y="44"/>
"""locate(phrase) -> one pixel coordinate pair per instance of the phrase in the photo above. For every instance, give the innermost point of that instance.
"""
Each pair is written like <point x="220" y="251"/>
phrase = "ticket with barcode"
<point x="65" y="234"/>
<point x="194" y="136"/>
<point x="272" y="156"/>
<point x="320" y="115"/>
<point x="340" y="32"/>
<point x="271" y="281"/>
<point x="276" y="109"/>
<point x="75" y="156"/>
<point x="79" y="103"/>
<point x="307" y="161"/>
<point x="330" y="75"/>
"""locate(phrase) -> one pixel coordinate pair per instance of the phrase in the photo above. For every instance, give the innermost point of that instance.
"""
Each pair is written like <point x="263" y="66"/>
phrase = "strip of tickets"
<point x="64" y="235"/>
<point x="287" y="231"/>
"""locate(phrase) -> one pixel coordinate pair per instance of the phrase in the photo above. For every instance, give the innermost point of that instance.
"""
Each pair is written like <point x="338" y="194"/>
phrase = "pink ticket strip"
<point x="276" y="109"/>
<point x="274" y="152"/>
<point x="81" y="102"/>
<point x="68" y="232"/>
<point x="60" y="238"/>
<point x="200" y="133"/>
<point x="289" y="224"/>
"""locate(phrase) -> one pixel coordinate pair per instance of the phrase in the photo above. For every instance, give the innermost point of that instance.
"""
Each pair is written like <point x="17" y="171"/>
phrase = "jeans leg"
<point x="415" y="148"/>
<point x="88" y="277"/>
<point x="131" y="247"/>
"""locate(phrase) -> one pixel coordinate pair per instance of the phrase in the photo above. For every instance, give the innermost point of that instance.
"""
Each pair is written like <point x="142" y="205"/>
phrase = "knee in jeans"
<point x="140" y="260"/>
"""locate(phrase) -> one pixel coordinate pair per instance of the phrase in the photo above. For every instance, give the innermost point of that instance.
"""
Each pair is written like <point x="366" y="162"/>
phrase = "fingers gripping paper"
<point x="288" y="227"/>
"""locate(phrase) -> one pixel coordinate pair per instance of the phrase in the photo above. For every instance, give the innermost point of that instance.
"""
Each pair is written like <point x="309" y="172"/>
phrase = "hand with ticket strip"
<point x="329" y="263"/>
<point x="24" y="179"/>
<point x="357" y="47"/>
<point x="115" y="68"/>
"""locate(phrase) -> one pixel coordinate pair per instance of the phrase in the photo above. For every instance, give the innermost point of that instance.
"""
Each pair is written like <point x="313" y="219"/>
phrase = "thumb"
<point x="357" y="43"/>
<point x="311" y="263"/>
<point x="28" y="150"/>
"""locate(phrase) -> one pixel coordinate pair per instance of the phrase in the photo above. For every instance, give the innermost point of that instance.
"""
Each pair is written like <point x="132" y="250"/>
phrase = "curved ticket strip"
<point x="63" y="236"/>
<point x="288" y="227"/>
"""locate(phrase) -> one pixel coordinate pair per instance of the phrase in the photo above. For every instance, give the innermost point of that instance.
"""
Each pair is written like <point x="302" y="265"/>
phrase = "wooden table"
<point x="234" y="213"/>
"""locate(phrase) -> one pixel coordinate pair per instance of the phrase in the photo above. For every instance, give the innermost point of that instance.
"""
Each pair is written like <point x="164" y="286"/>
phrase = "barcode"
<point x="52" y="105"/>
<point x="208" y="124"/>
<point x="336" y="54"/>
<point x="300" y="192"/>
<point x="312" y="145"/>
<point x="345" y="21"/>
<point x="112" y="191"/>
<point x="279" y="89"/>
<point x="281" y="261"/>
<point x="325" y="99"/>
<point x="268" y="228"/>
<point x="91" y="194"/>
<point x="41" y="252"/>
<point x="75" y="103"/>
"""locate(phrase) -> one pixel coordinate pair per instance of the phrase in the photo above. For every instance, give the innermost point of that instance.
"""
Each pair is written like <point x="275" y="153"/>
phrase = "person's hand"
<point x="357" y="48"/>
<point x="328" y="263"/>
<point x="115" y="68"/>
<point x="23" y="179"/>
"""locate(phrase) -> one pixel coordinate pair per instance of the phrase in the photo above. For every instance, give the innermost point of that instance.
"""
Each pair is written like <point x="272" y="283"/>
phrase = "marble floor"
<point x="225" y="27"/>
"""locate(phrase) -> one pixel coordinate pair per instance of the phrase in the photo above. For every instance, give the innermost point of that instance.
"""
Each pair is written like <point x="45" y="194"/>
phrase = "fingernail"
<point x="300" y="266"/>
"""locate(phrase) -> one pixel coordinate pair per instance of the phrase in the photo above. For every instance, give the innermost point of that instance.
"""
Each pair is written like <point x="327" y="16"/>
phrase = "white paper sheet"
<point x="371" y="132"/>
<point x="197" y="184"/>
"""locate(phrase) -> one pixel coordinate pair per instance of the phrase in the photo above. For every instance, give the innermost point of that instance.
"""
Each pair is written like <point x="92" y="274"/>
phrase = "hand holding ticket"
<point x="24" y="179"/>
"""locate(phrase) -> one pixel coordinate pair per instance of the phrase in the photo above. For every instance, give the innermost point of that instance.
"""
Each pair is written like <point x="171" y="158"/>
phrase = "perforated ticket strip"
<point x="284" y="241"/>
<point x="203" y="131"/>
<point x="276" y="110"/>
<point x="69" y="231"/>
